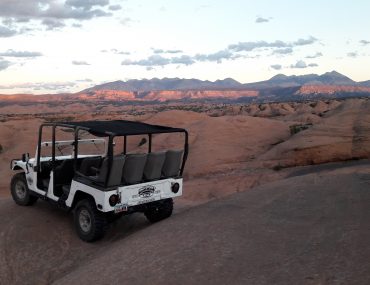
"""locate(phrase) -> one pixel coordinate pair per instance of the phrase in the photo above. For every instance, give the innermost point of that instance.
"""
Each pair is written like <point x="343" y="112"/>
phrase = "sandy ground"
<point x="304" y="222"/>
<point x="308" y="229"/>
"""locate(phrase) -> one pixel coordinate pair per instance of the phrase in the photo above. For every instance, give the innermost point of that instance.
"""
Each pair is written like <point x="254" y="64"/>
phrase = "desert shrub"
<point x="1" y="148"/>
<point x="278" y="167"/>
<point x="59" y="119"/>
<point x="262" y="107"/>
<point x="294" y="129"/>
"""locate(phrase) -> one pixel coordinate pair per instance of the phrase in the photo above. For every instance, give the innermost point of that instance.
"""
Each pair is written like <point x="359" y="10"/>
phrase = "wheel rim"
<point x="20" y="190"/>
<point x="85" y="220"/>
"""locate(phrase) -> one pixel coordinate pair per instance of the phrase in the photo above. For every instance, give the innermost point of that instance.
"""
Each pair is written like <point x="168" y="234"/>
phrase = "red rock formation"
<point x="330" y="89"/>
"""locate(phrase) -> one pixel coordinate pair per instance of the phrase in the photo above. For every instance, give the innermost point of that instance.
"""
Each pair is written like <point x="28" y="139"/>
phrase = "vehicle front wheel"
<point x="90" y="224"/>
<point x="20" y="192"/>
<point x="159" y="210"/>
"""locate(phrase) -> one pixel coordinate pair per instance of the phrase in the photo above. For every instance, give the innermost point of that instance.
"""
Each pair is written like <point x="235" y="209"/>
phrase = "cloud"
<point x="352" y="54"/>
<point x="159" y="51"/>
<point x="174" y="51"/>
<point x="184" y="59"/>
<point x="126" y="21"/>
<point x="41" y="86"/>
<point x="115" y="51"/>
<point x="153" y="60"/>
<point x="123" y="52"/>
<point x="86" y="4"/>
<point x="159" y="60"/>
<point x="303" y="64"/>
<point x="4" y="64"/>
<point x="217" y="56"/>
<point x="318" y="54"/>
<point x="84" y="80"/>
<point x="283" y="51"/>
<point x="232" y="52"/>
<point x="276" y="66"/>
<point x="76" y="25"/>
<point x="303" y="42"/>
<point x="299" y="64"/>
<point x="115" y="7"/>
<point x="364" y="42"/>
<point x="43" y="9"/>
<point x="6" y="32"/>
<point x="13" y="53"/>
<point x="249" y="46"/>
<point x="52" y="24"/>
<point x="76" y="62"/>
<point x="262" y="20"/>
<point x="51" y="13"/>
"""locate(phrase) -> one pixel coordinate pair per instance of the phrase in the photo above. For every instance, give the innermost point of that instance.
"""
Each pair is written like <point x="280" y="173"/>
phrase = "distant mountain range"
<point x="156" y="84"/>
<point x="148" y="91"/>
<point x="280" y="80"/>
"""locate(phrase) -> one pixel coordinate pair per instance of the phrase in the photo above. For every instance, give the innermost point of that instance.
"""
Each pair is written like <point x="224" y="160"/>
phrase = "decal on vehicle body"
<point x="146" y="191"/>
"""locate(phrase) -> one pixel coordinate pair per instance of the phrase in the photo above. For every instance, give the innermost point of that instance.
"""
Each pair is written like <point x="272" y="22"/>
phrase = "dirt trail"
<point x="361" y="128"/>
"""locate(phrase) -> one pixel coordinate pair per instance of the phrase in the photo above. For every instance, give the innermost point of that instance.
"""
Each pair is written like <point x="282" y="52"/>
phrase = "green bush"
<point x="294" y="129"/>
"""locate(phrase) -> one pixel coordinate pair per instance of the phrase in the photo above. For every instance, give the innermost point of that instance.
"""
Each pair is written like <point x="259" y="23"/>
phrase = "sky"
<point x="55" y="46"/>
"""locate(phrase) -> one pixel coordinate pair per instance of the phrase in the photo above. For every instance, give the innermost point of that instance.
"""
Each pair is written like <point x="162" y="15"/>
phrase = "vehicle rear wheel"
<point x="20" y="192"/>
<point x="159" y="210"/>
<point x="90" y="224"/>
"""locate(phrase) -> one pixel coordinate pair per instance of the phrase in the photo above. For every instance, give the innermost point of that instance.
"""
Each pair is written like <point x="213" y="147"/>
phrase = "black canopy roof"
<point x="120" y="127"/>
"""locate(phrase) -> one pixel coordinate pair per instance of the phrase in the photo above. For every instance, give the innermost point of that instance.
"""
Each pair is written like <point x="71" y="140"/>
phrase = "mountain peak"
<point x="279" y="76"/>
<point x="334" y="77"/>
<point x="334" y="73"/>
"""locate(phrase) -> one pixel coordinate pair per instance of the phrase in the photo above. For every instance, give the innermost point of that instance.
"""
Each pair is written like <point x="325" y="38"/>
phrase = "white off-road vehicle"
<point x="98" y="177"/>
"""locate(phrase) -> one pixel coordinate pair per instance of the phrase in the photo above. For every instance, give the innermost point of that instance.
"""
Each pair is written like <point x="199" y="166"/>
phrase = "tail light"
<point x="113" y="200"/>
<point x="175" y="187"/>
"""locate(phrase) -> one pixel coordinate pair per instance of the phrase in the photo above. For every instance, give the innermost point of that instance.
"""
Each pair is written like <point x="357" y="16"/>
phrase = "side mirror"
<point x="25" y="157"/>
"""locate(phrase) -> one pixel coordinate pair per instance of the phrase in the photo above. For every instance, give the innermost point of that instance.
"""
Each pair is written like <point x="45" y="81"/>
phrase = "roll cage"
<point x="109" y="129"/>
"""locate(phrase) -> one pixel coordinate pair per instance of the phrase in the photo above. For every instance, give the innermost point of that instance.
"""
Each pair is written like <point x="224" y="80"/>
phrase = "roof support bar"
<point x="150" y="143"/>
<point x="110" y="159"/>
<point x="186" y="151"/>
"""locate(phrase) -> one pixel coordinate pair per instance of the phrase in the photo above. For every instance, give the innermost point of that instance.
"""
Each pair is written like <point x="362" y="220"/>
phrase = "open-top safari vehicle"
<point x="98" y="177"/>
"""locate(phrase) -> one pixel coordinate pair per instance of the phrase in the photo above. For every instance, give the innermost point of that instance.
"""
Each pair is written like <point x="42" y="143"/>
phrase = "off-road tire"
<point x="20" y="192"/>
<point x="159" y="210"/>
<point x="90" y="224"/>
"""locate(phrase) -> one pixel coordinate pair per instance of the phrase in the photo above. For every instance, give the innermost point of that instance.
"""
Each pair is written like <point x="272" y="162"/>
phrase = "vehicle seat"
<point x="115" y="174"/>
<point x="134" y="167"/>
<point x="64" y="172"/>
<point x="172" y="163"/>
<point x="89" y="164"/>
<point x="153" y="165"/>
